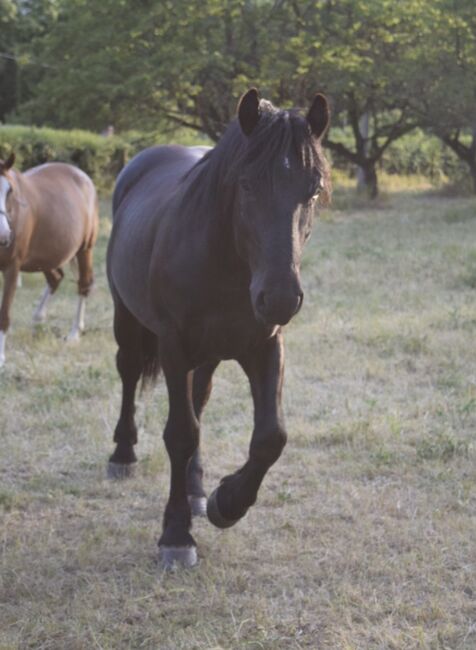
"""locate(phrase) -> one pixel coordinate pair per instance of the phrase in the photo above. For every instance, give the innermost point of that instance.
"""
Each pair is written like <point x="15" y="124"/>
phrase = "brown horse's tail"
<point x="150" y="358"/>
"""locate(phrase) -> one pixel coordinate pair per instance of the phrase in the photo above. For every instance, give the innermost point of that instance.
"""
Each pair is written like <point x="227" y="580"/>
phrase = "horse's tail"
<point x="150" y="358"/>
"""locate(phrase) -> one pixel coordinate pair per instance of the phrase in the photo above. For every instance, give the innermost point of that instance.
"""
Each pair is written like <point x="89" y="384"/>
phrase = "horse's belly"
<point x="51" y="247"/>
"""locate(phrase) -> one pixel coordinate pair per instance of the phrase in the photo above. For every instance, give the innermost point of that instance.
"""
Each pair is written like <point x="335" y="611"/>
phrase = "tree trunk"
<point x="370" y="179"/>
<point x="364" y="132"/>
<point x="472" y="169"/>
<point x="472" y="161"/>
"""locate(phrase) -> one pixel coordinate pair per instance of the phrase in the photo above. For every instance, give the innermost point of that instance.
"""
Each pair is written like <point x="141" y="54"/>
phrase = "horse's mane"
<point x="277" y="134"/>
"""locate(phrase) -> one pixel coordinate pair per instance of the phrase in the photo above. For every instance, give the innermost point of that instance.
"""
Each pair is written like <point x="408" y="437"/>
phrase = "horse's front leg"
<point x="10" y="277"/>
<point x="236" y="493"/>
<point x="181" y="437"/>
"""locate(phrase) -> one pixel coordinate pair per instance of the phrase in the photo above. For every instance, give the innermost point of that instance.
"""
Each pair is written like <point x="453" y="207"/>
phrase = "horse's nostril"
<point x="300" y="301"/>
<point x="261" y="302"/>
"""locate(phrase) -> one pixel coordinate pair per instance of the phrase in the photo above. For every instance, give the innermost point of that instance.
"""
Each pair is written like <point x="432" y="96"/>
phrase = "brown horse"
<point x="204" y="265"/>
<point x="48" y="216"/>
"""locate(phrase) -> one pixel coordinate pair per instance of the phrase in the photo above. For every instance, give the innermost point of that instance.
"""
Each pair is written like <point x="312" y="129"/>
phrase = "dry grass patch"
<point x="363" y="537"/>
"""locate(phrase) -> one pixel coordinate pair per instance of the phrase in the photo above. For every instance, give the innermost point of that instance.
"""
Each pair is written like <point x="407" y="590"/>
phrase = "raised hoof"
<point x="120" y="470"/>
<point x="215" y="516"/>
<point x="171" y="557"/>
<point x="198" y="506"/>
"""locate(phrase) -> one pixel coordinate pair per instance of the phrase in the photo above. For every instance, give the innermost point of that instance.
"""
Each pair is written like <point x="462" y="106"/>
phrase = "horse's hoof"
<point x="39" y="318"/>
<point x="73" y="337"/>
<point x="214" y="515"/>
<point x="198" y="506"/>
<point x="171" y="557"/>
<point x="120" y="470"/>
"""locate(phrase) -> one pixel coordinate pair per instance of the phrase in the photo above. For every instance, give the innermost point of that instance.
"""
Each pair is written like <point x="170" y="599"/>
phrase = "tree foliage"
<point x="387" y="66"/>
<point x="446" y="77"/>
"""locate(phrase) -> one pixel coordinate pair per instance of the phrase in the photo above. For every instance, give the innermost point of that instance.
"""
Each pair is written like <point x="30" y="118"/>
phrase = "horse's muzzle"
<point x="277" y="307"/>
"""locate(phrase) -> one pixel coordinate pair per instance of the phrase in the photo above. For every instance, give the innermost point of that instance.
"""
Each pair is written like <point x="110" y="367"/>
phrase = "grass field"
<point x="364" y="534"/>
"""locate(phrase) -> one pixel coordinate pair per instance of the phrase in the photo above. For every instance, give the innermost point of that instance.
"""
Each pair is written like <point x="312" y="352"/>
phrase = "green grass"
<point x="363" y="536"/>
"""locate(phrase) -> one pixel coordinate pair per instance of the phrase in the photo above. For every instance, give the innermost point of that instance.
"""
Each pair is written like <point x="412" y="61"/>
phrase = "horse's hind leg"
<point x="53" y="280"/>
<point x="10" y="276"/>
<point x="85" y="282"/>
<point x="202" y="387"/>
<point x="129" y="360"/>
<point x="236" y="493"/>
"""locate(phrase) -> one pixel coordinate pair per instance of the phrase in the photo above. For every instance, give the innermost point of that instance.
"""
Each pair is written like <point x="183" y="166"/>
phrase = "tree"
<point x="176" y="61"/>
<point x="8" y="12"/>
<point x="23" y="23"/>
<point x="446" y="71"/>
<point x="360" y="52"/>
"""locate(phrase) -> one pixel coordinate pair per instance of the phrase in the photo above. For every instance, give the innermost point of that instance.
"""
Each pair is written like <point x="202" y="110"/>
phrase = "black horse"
<point x="204" y="265"/>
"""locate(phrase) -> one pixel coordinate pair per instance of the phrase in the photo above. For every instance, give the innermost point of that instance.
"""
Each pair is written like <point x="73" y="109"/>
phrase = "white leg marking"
<point x="19" y="281"/>
<point x="78" y="323"/>
<point x="3" y="336"/>
<point x="39" y="315"/>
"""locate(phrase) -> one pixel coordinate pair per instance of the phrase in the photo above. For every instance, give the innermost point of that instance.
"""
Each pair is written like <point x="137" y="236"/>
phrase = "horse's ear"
<point x="318" y="115"/>
<point x="249" y="111"/>
<point x="9" y="162"/>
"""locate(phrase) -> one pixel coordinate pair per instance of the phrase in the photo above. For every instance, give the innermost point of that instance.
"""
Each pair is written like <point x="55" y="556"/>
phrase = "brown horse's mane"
<point x="278" y="134"/>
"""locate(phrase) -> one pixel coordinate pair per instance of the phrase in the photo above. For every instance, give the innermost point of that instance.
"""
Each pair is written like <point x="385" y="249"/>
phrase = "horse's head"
<point x="281" y="174"/>
<point x="6" y="234"/>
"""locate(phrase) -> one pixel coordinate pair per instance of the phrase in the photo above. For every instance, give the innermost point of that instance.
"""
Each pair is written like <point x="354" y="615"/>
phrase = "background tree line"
<point x="388" y="67"/>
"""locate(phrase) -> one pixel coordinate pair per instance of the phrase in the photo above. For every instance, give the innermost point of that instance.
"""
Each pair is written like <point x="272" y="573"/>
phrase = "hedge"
<point x="102" y="158"/>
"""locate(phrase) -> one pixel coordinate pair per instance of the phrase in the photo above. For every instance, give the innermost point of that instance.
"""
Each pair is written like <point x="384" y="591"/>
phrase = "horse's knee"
<point x="4" y="321"/>
<point x="85" y="286"/>
<point x="54" y="278"/>
<point x="181" y="439"/>
<point x="268" y="446"/>
<point x="128" y="364"/>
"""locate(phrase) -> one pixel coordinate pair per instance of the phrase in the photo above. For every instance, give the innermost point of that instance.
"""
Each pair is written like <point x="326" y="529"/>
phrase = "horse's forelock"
<point x="279" y="134"/>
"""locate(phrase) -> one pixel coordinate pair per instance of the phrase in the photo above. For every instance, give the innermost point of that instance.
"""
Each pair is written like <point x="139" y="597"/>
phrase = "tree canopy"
<point x="386" y="66"/>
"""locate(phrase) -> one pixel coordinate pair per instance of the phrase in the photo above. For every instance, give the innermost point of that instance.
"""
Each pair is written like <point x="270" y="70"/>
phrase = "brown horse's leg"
<point x="236" y="493"/>
<point x="85" y="282"/>
<point x="181" y="437"/>
<point x="10" y="276"/>
<point x="202" y="387"/>
<point x="129" y="360"/>
<point x="53" y="280"/>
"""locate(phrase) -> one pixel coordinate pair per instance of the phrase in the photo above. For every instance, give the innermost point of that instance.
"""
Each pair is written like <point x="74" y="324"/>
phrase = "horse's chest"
<point x="222" y="335"/>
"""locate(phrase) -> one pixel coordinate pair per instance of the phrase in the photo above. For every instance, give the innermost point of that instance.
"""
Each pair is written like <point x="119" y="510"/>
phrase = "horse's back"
<point x="154" y="167"/>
